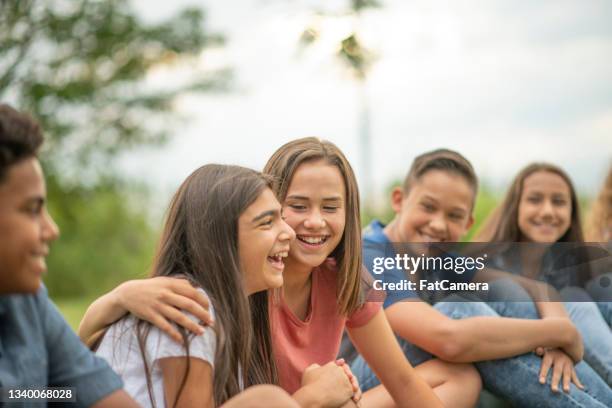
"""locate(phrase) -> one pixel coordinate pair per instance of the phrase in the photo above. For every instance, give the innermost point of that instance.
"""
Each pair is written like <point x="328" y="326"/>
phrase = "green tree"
<point x="80" y="67"/>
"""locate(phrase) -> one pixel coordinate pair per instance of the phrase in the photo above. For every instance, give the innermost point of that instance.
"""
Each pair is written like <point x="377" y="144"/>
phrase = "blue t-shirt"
<point x="376" y="244"/>
<point x="39" y="349"/>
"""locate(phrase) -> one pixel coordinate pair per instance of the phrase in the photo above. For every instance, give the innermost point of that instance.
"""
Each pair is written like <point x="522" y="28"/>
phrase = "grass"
<point x="73" y="309"/>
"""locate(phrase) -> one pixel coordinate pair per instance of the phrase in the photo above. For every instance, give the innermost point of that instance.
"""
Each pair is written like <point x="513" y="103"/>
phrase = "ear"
<point x="469" y="223"/>
<point x="397" y="196"/>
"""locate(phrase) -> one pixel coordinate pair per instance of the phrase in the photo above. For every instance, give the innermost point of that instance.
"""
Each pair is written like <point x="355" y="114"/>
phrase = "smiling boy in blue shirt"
<point x="37" y="347"/>
<point x="435" y="205"/>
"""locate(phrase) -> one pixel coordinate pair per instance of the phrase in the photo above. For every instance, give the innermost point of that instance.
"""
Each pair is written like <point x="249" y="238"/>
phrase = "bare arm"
<point x="262" y="396"/>
<point x="156" y="300"/>
<point x="198" y="388"/>
<point x="377" y="344"/>
<point x="465" y="340"/>
<point x="119" y="398"/>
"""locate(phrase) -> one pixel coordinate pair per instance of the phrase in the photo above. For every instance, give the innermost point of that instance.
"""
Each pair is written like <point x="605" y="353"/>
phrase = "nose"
<point x="314" y="220"/>
<point x="50" y="230"/>
<point x="287" y="233"/>
<point x="547" y="208"/>
<point x="438" y="224"/>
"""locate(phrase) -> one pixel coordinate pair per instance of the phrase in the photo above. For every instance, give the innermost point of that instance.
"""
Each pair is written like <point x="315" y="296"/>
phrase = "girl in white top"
<point x="121" y="348"/>
<point x="225" y="235"/>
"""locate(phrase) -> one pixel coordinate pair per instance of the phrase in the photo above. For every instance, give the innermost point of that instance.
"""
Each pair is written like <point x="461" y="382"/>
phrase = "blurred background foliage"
<point x="80" y="67"/>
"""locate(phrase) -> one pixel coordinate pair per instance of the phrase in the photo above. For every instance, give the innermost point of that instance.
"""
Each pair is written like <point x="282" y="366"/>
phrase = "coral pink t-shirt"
<point x="298" y="344"/>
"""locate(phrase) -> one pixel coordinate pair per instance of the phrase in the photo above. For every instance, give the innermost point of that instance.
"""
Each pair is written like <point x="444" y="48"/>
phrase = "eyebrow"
<point x="269" y="213"/>
<point x="38" y="200"/>
<point x="298" y="197"/>
<point x="461" y="209"/>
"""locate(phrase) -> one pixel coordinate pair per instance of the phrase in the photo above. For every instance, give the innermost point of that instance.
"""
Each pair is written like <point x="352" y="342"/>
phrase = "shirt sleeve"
<point x="396" y="277"/>
<point x="71" y="364"/>
<point x="203" y="346"/>
<point x="373" y="250"/>
<point x="363" y="315"/>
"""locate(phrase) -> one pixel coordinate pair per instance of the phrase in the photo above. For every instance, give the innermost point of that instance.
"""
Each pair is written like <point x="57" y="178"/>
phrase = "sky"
<point x="503" y="82"/>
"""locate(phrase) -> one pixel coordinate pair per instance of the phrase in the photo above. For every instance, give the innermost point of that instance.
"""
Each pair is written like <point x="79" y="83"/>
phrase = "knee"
<point x="462" y="309"/>
<point x="506" y="289"/>
<point x="467" y="374"/>
<point x="575" y="294"/>
<point x="272" y="396"/>
<point x="464" y="377"/>
<point x="600" y="288"/>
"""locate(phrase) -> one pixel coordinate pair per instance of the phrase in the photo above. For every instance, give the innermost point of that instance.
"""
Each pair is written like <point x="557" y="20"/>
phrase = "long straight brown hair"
<point x="282" y="166"/>
<point x="200" y="242"/>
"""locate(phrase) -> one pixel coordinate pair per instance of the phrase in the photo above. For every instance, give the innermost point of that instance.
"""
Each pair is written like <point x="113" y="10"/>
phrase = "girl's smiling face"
<point x="315" y="207"/>
<point x="263" y="243"/>
<point x="545" y="207"/>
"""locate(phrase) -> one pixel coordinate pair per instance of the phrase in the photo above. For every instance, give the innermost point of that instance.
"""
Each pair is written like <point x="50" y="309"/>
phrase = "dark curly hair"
<point x="20" y="138"/>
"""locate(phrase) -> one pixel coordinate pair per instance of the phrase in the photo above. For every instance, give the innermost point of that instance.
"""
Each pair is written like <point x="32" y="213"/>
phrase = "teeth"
<point x="313" y="240"/>
<point x="280" y="255"/>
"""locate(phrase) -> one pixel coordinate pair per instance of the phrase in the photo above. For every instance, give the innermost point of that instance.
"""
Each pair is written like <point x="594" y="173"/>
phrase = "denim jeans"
<point x="600" y="289"/>
<point x="516" y="378"/>
<point x="596" y="334"/>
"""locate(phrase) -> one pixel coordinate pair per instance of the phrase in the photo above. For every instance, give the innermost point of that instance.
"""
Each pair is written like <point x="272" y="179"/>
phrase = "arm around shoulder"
<point x="157" y="300"/>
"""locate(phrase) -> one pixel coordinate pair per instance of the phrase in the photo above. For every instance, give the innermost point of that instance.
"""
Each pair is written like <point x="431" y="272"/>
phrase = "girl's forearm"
<point x="378" y="346"/>
<point x="486" y="338"/>
<point x="421" y="393"/>
<point x="102" y="312"/>
<point x="551" y="309"/>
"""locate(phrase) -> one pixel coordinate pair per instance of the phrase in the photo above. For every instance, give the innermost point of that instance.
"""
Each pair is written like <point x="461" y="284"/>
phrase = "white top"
<point x="120" y="348"/>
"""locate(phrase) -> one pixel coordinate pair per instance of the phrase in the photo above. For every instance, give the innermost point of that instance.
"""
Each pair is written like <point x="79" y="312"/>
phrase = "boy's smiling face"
<point x="26" y="228"/>
<point x="437" y="208"/>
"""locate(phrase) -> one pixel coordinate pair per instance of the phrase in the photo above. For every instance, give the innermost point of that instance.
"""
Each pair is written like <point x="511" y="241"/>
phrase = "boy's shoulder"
<point x="40" y="349"/>
<point x="374" y="233"/>
<point x="24" y="320"/>
<point x="24" y="308"/>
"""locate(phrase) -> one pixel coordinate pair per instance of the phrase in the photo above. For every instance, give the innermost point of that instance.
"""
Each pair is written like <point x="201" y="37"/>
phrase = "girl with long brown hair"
<point x="541" y="209"/>
<point x="323" y="291"/>
<point x="225" y="235"/>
